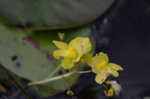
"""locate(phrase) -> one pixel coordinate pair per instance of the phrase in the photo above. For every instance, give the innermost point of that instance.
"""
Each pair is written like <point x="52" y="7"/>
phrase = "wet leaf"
<point x="53" y="13"/>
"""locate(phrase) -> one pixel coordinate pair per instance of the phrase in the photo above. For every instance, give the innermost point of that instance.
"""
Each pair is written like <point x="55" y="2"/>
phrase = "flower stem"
<point x="55" y="71"/>
<point x="83" y="72"/>
<point x="57" y="77"/>
<point x="51" y="79"/>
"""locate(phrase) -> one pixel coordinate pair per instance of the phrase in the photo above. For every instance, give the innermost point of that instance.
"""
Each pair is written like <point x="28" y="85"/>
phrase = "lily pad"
<point x="53" y="13"/>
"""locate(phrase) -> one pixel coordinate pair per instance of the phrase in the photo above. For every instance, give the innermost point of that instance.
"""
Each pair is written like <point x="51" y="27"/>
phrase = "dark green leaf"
<point x="53" y="13"/>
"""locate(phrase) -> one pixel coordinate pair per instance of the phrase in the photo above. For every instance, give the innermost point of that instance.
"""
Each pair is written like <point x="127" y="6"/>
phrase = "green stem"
<point x="51" y="79"/>
<point x="83" y="72"/>
<point x="55" y="71"/>
<point x="56" y="78"/>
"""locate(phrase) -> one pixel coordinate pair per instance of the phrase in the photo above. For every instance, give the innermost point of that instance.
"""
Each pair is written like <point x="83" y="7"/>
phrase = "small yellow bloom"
<point x="72" y="52"/>
<point x="70" y="93"/>
<point x="101" y="66"/>
<point x="110" y="92"/>
<point x="61" y="35"/>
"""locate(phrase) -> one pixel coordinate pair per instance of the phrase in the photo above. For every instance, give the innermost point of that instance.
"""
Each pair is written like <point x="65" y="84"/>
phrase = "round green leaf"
<point x="53" y="13"/>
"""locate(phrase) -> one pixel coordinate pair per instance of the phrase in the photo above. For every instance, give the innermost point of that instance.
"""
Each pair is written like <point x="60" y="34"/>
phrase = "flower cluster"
<point x="79" y="50"/>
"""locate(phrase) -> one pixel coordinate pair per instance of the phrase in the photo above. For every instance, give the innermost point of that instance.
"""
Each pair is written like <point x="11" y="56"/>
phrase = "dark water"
<point x="126" y="36"/>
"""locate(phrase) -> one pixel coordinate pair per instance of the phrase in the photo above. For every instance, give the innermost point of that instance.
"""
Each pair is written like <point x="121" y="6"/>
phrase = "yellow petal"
<point x="101" y="77"/>
<point x="103" y="56"/>
<point x="67" y="63"/>
<point x="87" y="58"/>
<point x="60" y="45"/>
<point x="72" y="53"/>
<point x="110" y="92"/>
<point x="100" y="62"/>
<point x="101" y="65"/>
<point x="113" y="72"/>
<point x="58" y="53"/>
<point x="81" y="44"/>
<point x="115" y="67"/>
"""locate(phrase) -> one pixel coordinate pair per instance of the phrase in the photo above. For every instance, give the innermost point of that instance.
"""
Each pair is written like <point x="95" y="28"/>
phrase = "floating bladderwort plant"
<point x="78" y="51"/>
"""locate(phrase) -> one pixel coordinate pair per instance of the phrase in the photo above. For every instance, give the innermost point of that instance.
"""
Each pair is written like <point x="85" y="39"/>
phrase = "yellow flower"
<point x="70" y="93"/>
<point x="72" y="52"/>
<point x="101" y="66"/>
<point x="110" y="92"/>
<point x="61" y="35"/>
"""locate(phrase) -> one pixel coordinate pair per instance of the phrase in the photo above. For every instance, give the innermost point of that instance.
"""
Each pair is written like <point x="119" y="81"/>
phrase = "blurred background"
<point x="125" y="34"/>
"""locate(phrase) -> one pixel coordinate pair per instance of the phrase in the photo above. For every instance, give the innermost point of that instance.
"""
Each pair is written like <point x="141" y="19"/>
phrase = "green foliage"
<point x="53" y="13"/>
<point x="29" y="56"/>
